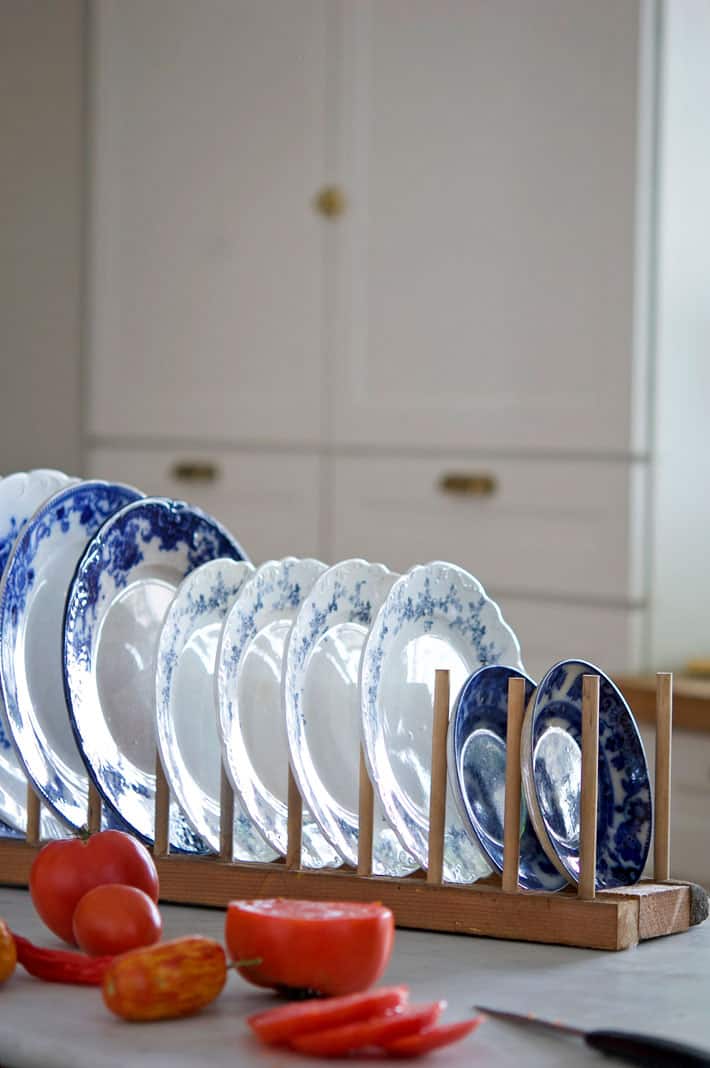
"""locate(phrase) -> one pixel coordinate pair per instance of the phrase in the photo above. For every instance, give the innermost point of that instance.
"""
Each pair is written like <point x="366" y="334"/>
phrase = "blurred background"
<point x="402" y="279"/>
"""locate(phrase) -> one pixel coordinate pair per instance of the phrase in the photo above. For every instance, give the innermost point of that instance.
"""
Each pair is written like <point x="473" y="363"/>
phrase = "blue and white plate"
<point x="435" y="616"/>
<point x="116" y="605"/>
<point x="20" y="496"/>
<point x="252" y="727"/>
<point x="551" y="759"/>
<point x="322" y="704"/>
<point x="477" y="762"/>
<point x="186" y="703"/>
<point x="32" y="598"/>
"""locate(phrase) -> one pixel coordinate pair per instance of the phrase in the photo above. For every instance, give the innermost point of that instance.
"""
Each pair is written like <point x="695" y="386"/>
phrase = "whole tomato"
<point x="64" y="871"/>
<point x="113" y="918"/>
<point x="8" y="952"/>
<point x="329" y="947"/>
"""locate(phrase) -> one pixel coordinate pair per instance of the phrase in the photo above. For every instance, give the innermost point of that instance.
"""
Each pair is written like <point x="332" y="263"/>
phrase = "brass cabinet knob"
<point x="331" y="202"/>
<point x="195" y="471"/>
<point x="460" y="484"/>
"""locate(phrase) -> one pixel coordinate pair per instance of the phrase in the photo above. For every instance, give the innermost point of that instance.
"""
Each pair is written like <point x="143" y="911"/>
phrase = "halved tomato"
<point x="326" y="947"/>
<point x="280" y="1025"/>
<point x="431" y="1038"/>
<point x="377" y="1031"/>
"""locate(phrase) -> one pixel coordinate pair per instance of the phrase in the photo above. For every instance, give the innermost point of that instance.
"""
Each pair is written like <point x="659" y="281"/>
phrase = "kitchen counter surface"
<point x="661" y="986"/>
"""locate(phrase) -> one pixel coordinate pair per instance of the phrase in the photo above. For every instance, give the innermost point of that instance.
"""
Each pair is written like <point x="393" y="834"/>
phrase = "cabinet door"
<point x="486" y="263"/>
<point x="205" y="269"/>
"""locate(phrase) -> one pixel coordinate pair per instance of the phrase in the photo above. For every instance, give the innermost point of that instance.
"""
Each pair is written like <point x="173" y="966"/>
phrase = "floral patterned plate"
<point x="32" y="598"/>
<point x="435" y="616"/>
<point x="551" y="760"/>
<point x="116" y="605"/>
<point x="250" y="665"/>
<point x="322" y="703"/>
<point x="186" y="704"/>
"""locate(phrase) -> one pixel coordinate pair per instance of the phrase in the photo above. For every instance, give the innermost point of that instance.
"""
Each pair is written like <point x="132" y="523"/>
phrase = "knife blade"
<point x="647" y="1050"/>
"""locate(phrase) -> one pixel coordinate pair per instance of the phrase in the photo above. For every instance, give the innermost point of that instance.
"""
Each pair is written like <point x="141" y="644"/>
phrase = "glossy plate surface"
<point x="551" y="758"/>
<point x="115" y="610"/>
<point x="252" y="725"/>
<point x="32" y="598"/>
<point x="186" y="702"/>
<point x="21" y="494"/>
<point x="477" y="763"/>
<point x="322" y="704"/>
<point x="435" y="616"/>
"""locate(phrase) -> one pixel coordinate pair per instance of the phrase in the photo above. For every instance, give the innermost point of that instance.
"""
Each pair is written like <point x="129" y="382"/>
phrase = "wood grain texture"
<point x="366" y="813"/>
<point x="93" y="812"/>
<point x="226" y="817"/>
<point x="437" y="794"/>
<point x="662" y="784"/>
<point x="294" y="826"/>
<point x="511" y="820"/>
<point x="589" y="788"/>
<point x="34" y="811"/>
<point x="162" y="810"/>
<point x="662" y="909"/>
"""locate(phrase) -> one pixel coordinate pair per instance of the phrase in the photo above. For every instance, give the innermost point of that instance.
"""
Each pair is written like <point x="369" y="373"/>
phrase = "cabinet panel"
<point x="546" y="527"/>
<point x="269" y="501"/>
<point x="206" y="273"/>
<point x="486" y="264"/>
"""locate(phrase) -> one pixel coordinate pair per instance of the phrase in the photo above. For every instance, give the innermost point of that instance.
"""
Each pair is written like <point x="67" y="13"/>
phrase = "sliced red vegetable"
<point x="431" y="1038"/>
<point x="376" y="1031"/>
<point x="281" y="1024"/>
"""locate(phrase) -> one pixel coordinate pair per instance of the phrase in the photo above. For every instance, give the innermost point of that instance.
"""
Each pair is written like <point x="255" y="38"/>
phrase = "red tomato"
<point x="431" y="1038"/>
<point x="323" y="946"/>
<point x="112" y="919"/>
<point x="280" y="1025"/>
<point x="377" y="1031"/>
<point x="64" y="871"/>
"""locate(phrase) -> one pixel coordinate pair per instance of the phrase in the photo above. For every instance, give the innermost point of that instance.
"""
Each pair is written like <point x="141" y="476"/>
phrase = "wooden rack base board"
<point x="586" y="918"/>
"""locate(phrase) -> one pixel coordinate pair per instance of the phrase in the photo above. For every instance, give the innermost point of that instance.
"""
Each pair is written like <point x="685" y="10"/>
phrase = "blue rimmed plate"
<point x="32" y="597"/>
<point x="551" y="759"/>
<point x="322" y="705"/>
<point x="186" y="703"/>
<point x="477" y="761"/>
<point x="435" y="616"/>
<point x="116" y="605"/>
<point x="250" y="665"/>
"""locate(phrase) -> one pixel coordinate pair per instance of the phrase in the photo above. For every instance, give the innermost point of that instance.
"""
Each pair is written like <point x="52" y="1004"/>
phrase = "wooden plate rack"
<point x="494" y="907"/>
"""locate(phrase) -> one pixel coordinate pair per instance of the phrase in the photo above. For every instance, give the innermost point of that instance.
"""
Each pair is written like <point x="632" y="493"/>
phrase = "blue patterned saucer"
<point x="250" y="665"/>
<point x="435" y="616"/>
<point x="116" y="605"/>
<point x="551" y="759"/>
<point x="477" y="762"/>
<point x="322" y="704"/>
<point x="32" y="597"/>
<point x="186" y="702"/>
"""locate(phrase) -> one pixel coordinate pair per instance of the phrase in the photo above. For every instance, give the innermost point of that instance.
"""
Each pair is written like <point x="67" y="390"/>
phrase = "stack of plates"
<point x="128" y="621"/>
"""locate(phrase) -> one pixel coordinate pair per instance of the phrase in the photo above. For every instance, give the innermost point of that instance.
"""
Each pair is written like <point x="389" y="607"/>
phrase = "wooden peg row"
<point x="366" y="815"/>
<point x="226" y="817"/>
<point x="511" y="820"/>
<point x="34" y="812"/>
<point x="93" y="809"/>
<point x="437" y="795"/>
<point x="586" y="888"/>
<point x="161" y="844"/>
<point x="662" y="800"/>
<point x="294" y="827"/>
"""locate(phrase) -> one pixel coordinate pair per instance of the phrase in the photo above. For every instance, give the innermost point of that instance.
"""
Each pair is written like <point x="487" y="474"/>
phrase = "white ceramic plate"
<point x="249" y="688"/>
<point x="115" y="610"/>
<point x="32" y="598"/>
<point x="322" y="705"/>
<point x="186" y="702"/>
<point x="435" y="616"/>
<point x="20" y="496"/>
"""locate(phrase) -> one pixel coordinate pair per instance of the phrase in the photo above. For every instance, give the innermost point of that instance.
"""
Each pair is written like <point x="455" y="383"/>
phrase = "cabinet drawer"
<point x="524" y="526"/>
<point x="268" y="500"/>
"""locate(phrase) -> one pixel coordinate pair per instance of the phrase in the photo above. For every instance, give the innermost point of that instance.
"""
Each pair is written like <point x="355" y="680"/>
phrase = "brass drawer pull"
<point x="461" y="485"/>
<point x="195" y="471"/>
<point x="331" y="202"/>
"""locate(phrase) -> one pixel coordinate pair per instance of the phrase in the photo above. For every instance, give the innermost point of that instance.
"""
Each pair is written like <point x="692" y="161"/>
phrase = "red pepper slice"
<point x="377" y="1031"/>
<point x="281" y="1024"/>
<point x="60" y="965"/>
<point x="431" y="1038"/>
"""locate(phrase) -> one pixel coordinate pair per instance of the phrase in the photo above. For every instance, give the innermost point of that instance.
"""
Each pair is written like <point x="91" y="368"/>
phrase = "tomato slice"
<point x="431" y="1038"/>
<point x="377" y="1031"/>
<point x="327" y="947"/>
<point x="282" y="1024"/>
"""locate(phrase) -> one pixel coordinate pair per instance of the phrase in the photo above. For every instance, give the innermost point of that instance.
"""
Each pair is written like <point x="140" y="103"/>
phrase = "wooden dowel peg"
<point x="662" y="801"/>
<point x="366" y="815"/>
<point x="295" y="823"/>
<point x="511" y="820"/>
<point x="161" y="844"/>
<point x="93" y="811"/>
<point x="226" y="817"/>
<point x="34" y="812"/>
<point x="589" y="788"/>
<point x="437" y="795"/>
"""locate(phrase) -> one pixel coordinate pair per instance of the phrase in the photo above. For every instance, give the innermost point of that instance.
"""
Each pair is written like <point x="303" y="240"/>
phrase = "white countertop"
<point x="660" y="986"/>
